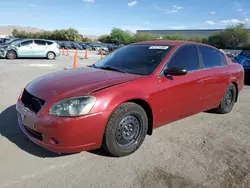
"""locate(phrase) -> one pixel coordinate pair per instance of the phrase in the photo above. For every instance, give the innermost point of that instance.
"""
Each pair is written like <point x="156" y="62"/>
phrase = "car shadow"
<point x="101" y="152"/>
<point x="247" y="78"/>
<point x="9" y="129"/>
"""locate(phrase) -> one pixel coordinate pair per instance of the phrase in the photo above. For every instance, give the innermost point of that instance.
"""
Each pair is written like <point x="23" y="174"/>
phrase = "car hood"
<point x="75" y="82"/>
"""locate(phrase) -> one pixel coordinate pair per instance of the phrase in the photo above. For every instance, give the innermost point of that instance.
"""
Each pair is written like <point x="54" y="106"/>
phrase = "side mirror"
<point x="175" y="71"/>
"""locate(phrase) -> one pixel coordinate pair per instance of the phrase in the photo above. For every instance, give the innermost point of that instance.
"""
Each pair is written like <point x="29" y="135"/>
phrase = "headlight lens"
<point x="73" y="107"/>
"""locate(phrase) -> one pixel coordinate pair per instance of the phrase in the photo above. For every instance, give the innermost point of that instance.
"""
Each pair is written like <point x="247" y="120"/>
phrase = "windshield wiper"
<point x="112" y="69"/>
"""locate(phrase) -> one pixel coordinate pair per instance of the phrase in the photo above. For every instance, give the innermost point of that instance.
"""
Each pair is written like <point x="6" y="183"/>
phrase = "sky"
<point x="97" y="17"/>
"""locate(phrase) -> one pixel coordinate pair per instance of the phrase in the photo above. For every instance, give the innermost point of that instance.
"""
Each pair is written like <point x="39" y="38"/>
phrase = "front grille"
<point x="34" y="134"/>
<point x="31" y="102"/>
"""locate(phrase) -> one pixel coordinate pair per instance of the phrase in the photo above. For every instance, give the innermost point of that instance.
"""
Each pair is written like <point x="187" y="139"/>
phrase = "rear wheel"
<point x="11" y="54"/>
<point x="51" y="55"/>
<point x="228" y="100"/>
<point x="126" y="130"/>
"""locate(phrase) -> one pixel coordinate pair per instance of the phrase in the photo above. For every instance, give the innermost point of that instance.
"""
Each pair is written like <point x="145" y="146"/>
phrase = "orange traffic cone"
<point x="67" y="52"/>
<point x="63" y="51"/>
<point x="76" y="59"/>
<point x="101" y="54"/>
<point x="86" y="54"/>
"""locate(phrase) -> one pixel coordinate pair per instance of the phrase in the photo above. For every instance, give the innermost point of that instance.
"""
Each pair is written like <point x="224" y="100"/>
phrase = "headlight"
<point x="3" y="48"/>
<point x="73" y="107"/>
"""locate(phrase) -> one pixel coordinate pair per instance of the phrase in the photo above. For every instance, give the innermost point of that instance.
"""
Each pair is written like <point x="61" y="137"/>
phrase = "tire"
<point x="11" y="54"/>
<point x="247" y="77"/>
<point x="51" y="55"/>
<point x="129" y="120"/>
<point x="228" y="100"/>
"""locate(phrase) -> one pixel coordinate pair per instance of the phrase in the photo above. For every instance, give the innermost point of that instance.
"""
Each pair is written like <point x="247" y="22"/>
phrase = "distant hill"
<point x="7" y="30"/>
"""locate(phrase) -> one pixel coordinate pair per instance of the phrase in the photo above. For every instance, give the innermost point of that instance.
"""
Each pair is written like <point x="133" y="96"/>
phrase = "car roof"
<point x="37" y="39"/>
<point x="168" y="42"/>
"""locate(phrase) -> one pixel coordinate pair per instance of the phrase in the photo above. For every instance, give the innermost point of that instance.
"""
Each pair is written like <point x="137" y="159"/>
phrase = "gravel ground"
<point x="203" y="151"/>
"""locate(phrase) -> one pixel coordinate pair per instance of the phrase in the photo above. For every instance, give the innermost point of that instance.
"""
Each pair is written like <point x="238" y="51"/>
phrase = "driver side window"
<point x="186" y="57"/>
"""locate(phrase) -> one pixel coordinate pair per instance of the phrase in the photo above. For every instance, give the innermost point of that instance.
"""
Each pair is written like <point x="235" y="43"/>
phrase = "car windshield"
<point x="245" y="53"/>
<point x="135" y="59"/>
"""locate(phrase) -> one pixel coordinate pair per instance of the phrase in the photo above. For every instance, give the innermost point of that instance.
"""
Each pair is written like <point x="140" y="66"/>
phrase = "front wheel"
<point x="228" y="100"/>
<point x="11" y="54"/>
<point x="126" y="130"/>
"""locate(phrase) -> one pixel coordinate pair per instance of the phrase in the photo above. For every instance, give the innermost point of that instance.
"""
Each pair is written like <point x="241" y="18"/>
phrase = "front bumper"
<point x="2" y="53"/>
<point x="58" y="54"/>
<point x="63" y="135"/>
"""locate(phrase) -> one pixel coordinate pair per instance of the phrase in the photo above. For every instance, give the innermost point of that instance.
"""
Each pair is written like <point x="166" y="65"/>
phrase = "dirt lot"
<point x="203" y="151"/>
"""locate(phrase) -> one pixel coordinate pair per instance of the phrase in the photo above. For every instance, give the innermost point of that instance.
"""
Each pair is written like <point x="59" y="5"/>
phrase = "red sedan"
<point x="117" y="101"/>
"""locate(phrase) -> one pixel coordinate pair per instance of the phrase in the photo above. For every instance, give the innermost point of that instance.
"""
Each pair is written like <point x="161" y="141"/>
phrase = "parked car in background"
<point x="94" y="46"/>
<point x="244" y="59"/>
<point x="65" y="45"/>
<point x="85" y="46"/>
<point x="103" y="48"/>
<point x="109" y="105"/>
<point x="30" y="48"/>
<point x="2" y="40"/>
<point x="11" y="40"/>
<point x="75" y="45"/>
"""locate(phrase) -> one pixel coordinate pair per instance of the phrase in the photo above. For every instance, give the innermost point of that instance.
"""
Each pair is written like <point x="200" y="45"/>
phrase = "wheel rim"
<point x="229" y="97"/>
<point x="128" y="131"/>
<point x="51" y="56"/>
<point x="11" y="55"/>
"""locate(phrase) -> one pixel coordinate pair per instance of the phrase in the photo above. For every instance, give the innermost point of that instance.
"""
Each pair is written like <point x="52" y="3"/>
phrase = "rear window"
<point x="136" y="59"/>
<point x="211" y="57"/>
<point x="49" y="42"/>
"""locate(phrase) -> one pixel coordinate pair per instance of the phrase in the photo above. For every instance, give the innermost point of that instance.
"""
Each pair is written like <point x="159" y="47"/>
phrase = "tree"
<point x="174" y="37"/>
<point x="15" y="33"/>
<point x="237" y="36"/>
<point x="121" y="36"/>
<point x="144" y="37"/>
<point x="232" y="37"/>
<point x="86" y="39"/>
<point x="217" y="40"/>
<point x="196" y="39"/>
<point x="104" y="38"/>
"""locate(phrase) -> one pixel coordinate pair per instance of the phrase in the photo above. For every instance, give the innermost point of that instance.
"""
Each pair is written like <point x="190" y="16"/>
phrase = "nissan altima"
<point x="122" y="98"/>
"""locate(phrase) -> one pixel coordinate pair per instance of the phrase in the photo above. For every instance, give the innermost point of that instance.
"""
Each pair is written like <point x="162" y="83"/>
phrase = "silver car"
<point x="30" y="48"/>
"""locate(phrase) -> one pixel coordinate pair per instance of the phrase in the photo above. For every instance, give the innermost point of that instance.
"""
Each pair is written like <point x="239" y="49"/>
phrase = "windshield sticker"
<point x="158" y="47"/>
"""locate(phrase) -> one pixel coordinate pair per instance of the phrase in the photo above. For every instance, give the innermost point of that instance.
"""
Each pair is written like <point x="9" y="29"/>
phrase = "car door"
<point x="40" y="48"/>
<point x="180" y="96"/>
<point x="25" y="49"/>
<point x="215" y="76"/>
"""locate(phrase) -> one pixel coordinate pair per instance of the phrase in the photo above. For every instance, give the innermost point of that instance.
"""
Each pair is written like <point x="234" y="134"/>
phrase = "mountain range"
<point x="7" y="30"/>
